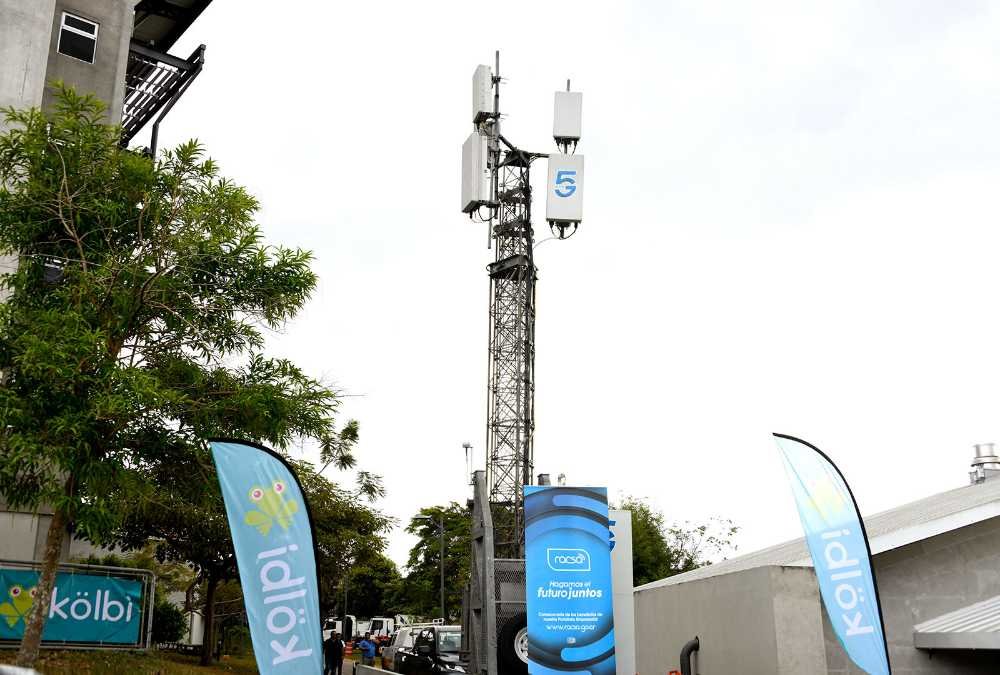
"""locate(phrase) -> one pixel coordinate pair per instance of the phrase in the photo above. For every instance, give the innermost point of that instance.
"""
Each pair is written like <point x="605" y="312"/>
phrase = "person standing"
<point x="333" y="655"/>
<point x="367" y="647"/>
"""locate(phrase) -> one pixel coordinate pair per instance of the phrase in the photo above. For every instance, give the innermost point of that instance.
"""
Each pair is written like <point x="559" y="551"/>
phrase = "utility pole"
<point x="440" y="528"/>
<point x="444" y="616"/>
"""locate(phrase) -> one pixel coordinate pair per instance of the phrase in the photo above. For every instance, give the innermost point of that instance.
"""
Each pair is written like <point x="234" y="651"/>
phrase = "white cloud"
<point x="791" y="226"/>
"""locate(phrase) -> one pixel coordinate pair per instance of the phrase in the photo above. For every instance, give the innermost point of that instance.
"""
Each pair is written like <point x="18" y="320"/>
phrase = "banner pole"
<point x="864" y="533"/>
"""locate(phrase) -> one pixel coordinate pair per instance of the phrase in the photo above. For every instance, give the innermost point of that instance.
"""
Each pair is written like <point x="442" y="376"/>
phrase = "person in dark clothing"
<point x="333" y="655"/>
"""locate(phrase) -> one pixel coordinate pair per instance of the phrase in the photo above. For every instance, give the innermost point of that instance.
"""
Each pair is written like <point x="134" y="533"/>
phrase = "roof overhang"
<point x="926" y="530"/>
<point x="159" y="23"/>
<point x="974" y="627"/>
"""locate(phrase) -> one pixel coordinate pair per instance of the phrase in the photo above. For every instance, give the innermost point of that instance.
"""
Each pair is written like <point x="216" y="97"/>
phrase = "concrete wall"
<point x="25" y="34"/>
<point x="105" y="78"/>
<point x="29" y="35"/>
<point x="22" y="537"/>
<point x="924" y="580"/>
<point x="770" y="619"/>
<point x="25" y="31"/>
<point x="763" y="621"/>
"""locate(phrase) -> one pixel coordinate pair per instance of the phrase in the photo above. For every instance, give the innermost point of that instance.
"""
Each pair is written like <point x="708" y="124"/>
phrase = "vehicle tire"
<point x="512" y="646"/>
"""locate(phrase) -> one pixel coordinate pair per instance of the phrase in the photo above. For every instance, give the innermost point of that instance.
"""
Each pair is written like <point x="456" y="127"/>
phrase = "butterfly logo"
<point x="16" y="609"/>
<point x="272" y="507"/>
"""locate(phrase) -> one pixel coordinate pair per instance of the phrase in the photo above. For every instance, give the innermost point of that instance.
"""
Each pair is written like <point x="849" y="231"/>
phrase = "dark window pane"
<point x="78" y="46"/>
<point x="86" y="26"/>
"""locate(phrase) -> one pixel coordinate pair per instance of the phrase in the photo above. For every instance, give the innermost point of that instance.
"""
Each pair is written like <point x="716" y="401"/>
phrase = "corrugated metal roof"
<point x="974" y="627"/>
<point x="887" y="530"/>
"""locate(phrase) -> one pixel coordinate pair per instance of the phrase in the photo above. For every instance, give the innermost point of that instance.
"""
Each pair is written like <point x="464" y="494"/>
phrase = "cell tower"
<point x="496" y="189"/>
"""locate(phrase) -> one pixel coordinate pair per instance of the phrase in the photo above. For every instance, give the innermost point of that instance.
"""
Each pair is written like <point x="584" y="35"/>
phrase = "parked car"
<point x="434" y="652"/>
<point x="402" y="639"/>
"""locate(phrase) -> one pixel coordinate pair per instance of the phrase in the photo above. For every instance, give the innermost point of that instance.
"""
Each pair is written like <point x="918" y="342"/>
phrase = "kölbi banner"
<point x="272" y="533"/>
<point x="568" y="574"/>
<point x="840" y="553"/>
<point x="85" y="608"/>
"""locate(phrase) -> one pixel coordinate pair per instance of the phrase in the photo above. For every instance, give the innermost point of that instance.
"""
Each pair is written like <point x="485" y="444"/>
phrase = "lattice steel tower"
<point x="496" y="187"/>
<point x="511" y="385"/>
<point x="496" y="176"/>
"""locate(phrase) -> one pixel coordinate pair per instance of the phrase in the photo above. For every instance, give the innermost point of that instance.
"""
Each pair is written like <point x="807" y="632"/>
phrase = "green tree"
<point x="169" y="622"/>
<point x="372" y="586"/>
<point x="176" y="502"/>
<point x="420" y="592"/>
<point x="349" y="531"/>
<point x="660" y="551"/>
<point x="134" y="324"/>
<point x="181" y="509"/>
<point x="171" y="577"/>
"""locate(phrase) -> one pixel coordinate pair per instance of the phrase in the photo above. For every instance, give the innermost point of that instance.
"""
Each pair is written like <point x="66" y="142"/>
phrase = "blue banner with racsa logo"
<point x="840" y="553"/>
<point x="568" y="581"/>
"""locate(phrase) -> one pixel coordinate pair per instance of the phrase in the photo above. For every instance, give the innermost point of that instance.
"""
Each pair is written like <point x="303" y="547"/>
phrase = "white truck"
<point x="382" y="628"/>
<point x="334" y="625"/>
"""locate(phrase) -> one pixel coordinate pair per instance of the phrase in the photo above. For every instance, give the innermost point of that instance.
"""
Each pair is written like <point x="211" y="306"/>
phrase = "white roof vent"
<point x="986" y="464"/>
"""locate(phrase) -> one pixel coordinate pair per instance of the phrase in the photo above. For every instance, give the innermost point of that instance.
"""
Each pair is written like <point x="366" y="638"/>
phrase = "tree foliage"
<point x="185" y="515"/>
<point x="660" y="550"/>
<point x="171" y="576"/>
<point x="372" y="587"/>
<point x="420" y="590"/>
<point x="350" y="533"/>
<point x="134" y="326"/>
<point x="169" y="622"/>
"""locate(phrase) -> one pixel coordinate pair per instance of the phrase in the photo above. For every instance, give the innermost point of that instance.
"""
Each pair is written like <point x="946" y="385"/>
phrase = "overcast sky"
<point x="790" y="225"/>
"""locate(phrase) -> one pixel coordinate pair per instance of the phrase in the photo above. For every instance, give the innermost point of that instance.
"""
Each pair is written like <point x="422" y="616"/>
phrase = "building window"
<point x="77" y="37"/>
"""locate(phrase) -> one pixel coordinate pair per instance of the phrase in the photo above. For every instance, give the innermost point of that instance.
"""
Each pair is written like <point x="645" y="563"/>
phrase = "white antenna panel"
<point x="564" y="192"/>
<point x="568" y="116"/>
<point x="475" y="173"/>
<point x="482" y="85"/>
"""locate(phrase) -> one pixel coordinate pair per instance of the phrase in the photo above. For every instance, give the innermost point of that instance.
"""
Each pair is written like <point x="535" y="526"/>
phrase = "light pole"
<point x="440" y="524"/>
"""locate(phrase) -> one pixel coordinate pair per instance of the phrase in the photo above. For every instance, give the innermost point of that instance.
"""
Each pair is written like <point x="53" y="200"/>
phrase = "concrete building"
<point x="937" y="562"/>
<point x="115" y="50"/>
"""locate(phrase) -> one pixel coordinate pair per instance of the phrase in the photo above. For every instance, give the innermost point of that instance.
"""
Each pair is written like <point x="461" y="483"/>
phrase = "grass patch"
<point x="141" y="663"/>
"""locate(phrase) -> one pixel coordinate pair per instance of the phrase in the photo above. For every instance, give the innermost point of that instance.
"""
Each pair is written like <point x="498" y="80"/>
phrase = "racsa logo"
<point x="568" y="559"/>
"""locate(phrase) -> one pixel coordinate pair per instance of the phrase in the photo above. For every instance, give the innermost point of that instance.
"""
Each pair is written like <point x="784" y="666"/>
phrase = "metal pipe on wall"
<point x="690" y="647"/>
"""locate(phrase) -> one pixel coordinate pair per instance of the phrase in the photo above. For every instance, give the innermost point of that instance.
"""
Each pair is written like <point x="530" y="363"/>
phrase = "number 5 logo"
<point x="565" y="183"/>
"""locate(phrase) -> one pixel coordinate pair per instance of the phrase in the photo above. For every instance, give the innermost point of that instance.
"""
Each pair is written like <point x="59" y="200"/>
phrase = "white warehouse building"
<point x="937" y="563"/>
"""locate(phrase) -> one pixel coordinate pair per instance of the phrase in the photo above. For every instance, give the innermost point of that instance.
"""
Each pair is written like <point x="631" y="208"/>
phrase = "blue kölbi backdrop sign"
<point x="840" y="554"/>
<point x="273" y="538"/>
<point x="568" y="561"/>
<point x="84" y="608"/>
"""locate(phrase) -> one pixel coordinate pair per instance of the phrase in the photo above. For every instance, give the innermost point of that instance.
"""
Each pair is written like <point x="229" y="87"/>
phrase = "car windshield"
<point x="449" y="641"/>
